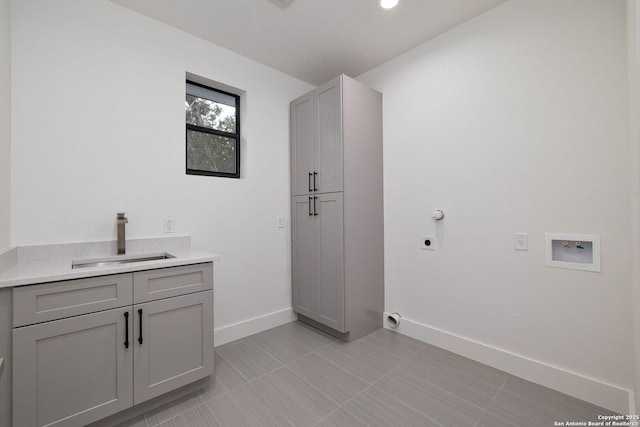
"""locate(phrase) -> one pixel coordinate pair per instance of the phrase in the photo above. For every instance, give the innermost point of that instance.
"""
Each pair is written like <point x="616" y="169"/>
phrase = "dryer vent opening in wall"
<point x="393" y="320"/>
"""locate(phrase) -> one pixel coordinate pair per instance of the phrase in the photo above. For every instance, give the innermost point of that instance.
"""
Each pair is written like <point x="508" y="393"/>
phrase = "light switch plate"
<point x="169" y="225"/>
<point x="521" y="242"/>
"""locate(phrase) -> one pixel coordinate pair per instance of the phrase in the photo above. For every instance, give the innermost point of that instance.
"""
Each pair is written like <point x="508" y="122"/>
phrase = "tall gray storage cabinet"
<point x="337" y="228"/>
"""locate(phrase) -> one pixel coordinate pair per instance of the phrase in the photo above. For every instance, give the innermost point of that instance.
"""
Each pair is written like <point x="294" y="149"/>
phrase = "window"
<point x="213" y="131"/>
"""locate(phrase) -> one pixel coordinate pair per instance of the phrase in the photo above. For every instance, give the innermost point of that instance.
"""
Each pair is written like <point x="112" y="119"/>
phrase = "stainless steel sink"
<point x="119" y="260"/>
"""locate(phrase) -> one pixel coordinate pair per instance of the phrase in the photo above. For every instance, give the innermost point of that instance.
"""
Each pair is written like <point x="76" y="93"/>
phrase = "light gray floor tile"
<point x="280" y="346"/>
<point x="520" y="385"/>
<point x="337" y="383"/>
<point x="430" y="387"/>
<point x="376" y="408"/>
<point x="246" y="406"/>
<point x="200" y="416"/>
<point x="381" y="349"/>
<point x="466" y="384"/>
<point x="300" y="402"/>
<point x="399" y="340"/>
<point x="466" y="379"/>
<point x="309" y="337"/>
<point x="357" y="362"/>
<point x="483" y="372"/>
<point x="248" y="359"/>
<point x="491" y="420"/>
<point x="341" y="418"/>
<point x="429" y="400"/>
<point x="139" y="421"/>
<point x="524" y="403"/>
<point x="172" y="409"/>
<point x="225" y="378"/>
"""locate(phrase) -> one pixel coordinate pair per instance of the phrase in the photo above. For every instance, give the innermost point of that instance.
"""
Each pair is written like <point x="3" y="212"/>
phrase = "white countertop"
<point x="25" y="270"/>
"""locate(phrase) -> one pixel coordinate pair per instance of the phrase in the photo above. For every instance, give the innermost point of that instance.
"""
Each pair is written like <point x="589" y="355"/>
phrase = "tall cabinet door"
<point x="302" y="144"/>
<point x="173" y="340"/>
<point x="330" y="261"/>
<point x="329" y="158"/>
<point x="303" y="258"/>
<point x="73" y="371"/>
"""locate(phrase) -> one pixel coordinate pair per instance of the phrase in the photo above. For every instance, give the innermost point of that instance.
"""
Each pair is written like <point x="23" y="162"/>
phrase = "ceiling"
<point x="313" y="40"/>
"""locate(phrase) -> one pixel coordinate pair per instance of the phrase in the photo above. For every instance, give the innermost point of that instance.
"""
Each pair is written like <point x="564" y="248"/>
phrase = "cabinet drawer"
<point x="57" y="300"/>
<point x="170" y="282"/>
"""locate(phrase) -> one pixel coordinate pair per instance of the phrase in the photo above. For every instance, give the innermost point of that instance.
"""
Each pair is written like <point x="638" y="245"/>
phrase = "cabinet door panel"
<point x="329" y="156"/>
<point x="303" y="255"/>
<point x="177" y="343"/>
<point x="73" y="371"/>
<point x="330" y="259"/>
<point x="302" y="144"/>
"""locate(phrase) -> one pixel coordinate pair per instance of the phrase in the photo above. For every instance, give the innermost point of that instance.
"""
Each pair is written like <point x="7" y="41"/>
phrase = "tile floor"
<point x="294" y="375"/>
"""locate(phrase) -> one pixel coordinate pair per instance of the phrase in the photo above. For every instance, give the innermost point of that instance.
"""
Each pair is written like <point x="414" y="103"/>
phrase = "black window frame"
<point x="202" y="129"/>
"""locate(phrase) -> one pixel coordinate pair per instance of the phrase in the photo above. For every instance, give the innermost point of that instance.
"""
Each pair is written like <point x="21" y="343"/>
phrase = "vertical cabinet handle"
<point x="126" y="329"/>
<point x="315" y="212"/>
<point x="310" y="213"/>
<point x="310" y="189"/>
<point x="140" y="336"/>
<point x="315" y="174"/>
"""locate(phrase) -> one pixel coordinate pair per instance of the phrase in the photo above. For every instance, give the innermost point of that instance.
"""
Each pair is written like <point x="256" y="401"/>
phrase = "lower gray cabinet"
<point x="73" y="371"/>
<point x="173" y="343"/>
<point x="77" y="370"/>
<point x="318" y="259"/>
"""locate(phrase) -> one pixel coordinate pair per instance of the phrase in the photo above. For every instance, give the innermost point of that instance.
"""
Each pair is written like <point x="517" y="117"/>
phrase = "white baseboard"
<point x="248" y="327"/>
<point x="600" y="393"/>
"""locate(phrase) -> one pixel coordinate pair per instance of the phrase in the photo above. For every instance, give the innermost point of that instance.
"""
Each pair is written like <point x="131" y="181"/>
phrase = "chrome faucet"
<point x="121" y="220"/>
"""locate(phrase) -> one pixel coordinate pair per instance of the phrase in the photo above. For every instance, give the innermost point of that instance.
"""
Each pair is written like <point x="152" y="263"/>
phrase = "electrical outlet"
<point x="521" y="242"/>
<point x="280" y="222"/>
<point x="428" y="242"/>
<point x="169" y="225"/>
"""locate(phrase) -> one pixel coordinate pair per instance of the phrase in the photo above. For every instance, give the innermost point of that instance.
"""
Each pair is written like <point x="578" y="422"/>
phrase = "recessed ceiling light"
<point x="282" y="3"/>
<point x="388" y="4"/>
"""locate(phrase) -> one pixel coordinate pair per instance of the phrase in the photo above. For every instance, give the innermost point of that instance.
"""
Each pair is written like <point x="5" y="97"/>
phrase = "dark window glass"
<point x="213" y="131"/>
<point x="210" y="153"/>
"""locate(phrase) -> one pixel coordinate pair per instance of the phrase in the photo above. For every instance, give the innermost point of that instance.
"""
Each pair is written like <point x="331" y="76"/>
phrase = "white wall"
<point x="633" y="32"/>
<point x="5" y="121"/>
<point x="5" y="175"/>
<point x="515" y="121"/>
<point x="98" y="122"/>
